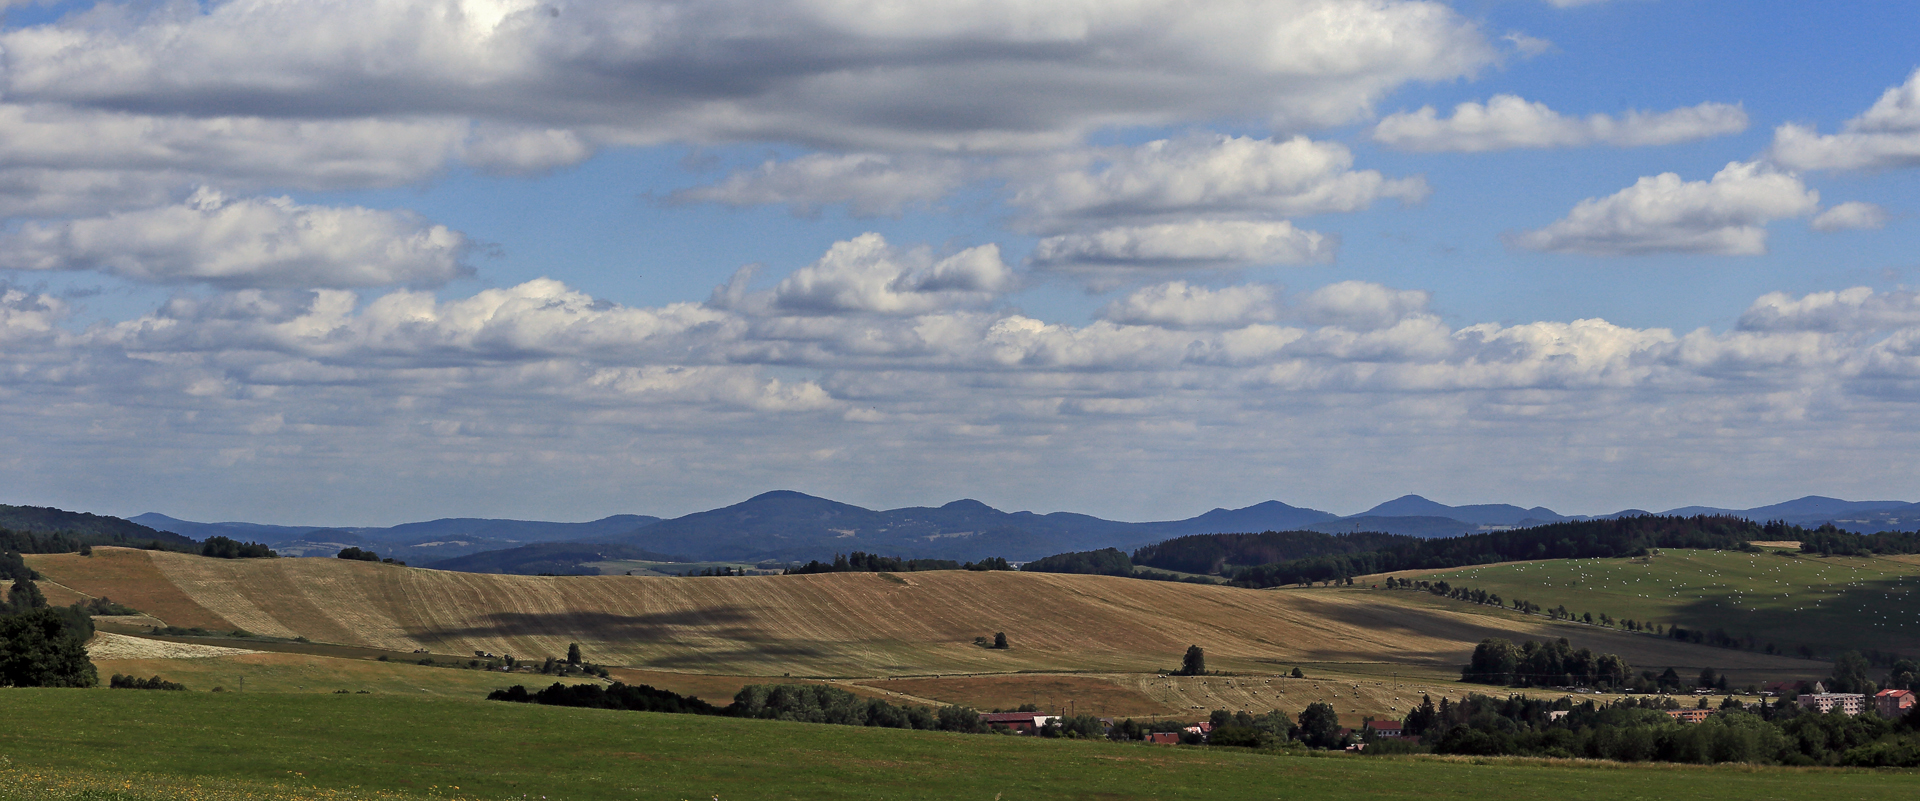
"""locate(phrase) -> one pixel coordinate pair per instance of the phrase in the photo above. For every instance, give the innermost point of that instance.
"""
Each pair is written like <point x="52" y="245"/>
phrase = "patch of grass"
<point x="356" y="746"/>
<point x="306" y="673"/>
<point x="1829" y="604"/>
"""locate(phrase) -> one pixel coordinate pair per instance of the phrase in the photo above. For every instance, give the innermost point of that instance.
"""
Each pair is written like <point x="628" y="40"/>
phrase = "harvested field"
<point x="107" y="645"/>
<point x="847" y="625"/>
<point x="129" y="577"/>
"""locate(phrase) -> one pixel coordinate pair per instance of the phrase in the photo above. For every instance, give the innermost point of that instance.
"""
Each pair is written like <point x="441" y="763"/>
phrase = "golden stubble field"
<point x="910" y="634"/>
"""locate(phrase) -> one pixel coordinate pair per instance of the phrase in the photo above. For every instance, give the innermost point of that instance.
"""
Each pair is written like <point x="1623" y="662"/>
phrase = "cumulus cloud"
<point x="1185" y="245"/>
<point x="1856" y="309"/>
<point x="875" y="75"/>
<point x="1506" y="122"/>
<point x="257" y="242"/>
<point x="1362" y="305"/>
<point x="1177" y="304"/>
<point x="1664" y="214"/>
<point x="471" y="390"/>
<point x="1853" y="215"/>
<point x="865" y="274"/>
<point x="869" y="184"/>
<point x="1219" y="176"/>
<point x="1886" y="137"/>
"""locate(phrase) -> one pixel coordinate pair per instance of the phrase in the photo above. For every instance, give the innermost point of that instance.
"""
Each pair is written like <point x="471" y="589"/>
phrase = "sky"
<point x="362" y="262"/>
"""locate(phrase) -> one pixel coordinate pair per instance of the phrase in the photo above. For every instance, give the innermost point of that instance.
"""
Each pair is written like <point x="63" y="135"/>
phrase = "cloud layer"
<point x="1506" y="122"/>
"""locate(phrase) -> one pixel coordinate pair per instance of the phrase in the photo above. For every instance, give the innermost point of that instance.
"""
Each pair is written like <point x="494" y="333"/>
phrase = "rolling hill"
<point x="1829" y="604"/>
<point x="847" y="624"/>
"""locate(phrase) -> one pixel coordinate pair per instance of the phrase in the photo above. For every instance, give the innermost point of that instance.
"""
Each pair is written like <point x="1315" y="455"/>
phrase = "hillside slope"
<point x="848" y="624"/>
<point x="1830" y="604"/>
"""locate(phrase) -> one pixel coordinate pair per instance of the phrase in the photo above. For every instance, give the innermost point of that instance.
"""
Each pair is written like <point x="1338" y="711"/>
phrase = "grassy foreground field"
<point x="147" y="746"/>
<point x="1828" y="603"/>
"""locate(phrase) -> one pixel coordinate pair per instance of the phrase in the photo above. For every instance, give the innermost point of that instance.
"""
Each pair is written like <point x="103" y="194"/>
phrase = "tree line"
<point x="1586" y="539"/>
<point x="1553" y="663"/>
<point x="805" y="703"/>
<point x="1640" y="730"/>
<point x="1103" y="562"/>
<point x="862" y="562"/>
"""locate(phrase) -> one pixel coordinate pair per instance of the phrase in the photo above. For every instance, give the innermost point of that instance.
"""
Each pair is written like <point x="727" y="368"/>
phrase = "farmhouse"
<point x="1019" y="722"/>
<point x="1164" y="738"/>
<point x="1893" y="703"/>
<point x="1848" y="703"/>
<point x="1384" y="728"/>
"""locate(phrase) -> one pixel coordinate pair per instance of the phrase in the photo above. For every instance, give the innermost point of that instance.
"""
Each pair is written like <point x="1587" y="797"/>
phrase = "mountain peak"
<point x="968" y="505"/>
<point x="1409" y="506"/>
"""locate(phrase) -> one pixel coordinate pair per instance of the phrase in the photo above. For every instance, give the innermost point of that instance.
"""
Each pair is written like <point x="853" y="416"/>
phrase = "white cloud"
<point x="865" y="274"/>
<point x="879" y="75"/>
<point x="1212" y="176"/>
<point x="1854" y="215"/>
<point x="1886" y="137"/>
<point x="870" y="184"/>
<point x="262" y="242"/>
<point x="476" y="390"/>
<point x="1185" y="245"/>
<point x="1362" y="305"/>
<point x="1507" y="122"/>
<point x="1664" y="214"/>
<point x="1856" y="309"/>
<point x="1178" y="305"/>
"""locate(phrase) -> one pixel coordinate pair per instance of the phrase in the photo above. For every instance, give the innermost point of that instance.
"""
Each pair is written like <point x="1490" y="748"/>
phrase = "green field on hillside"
<point x="1830" y="604"/>
<point x="129" y="745"/>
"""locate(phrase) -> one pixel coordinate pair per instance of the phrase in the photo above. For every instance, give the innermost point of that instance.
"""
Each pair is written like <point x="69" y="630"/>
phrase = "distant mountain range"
<point x="787" y="526"/>
<point x="413" y="543"/>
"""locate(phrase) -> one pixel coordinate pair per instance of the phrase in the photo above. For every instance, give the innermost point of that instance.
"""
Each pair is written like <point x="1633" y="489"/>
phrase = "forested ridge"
<point x="1586" y="539"/>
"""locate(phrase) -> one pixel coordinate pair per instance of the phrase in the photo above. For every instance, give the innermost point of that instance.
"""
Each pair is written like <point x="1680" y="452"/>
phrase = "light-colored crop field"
<point x="847" y="625"/>
<point x="1830" y="604"/>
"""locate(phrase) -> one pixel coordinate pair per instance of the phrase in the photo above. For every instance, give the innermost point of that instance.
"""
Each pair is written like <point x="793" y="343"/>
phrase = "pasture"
<point x="130" y="745"/>
<point x="1830" y="604"/>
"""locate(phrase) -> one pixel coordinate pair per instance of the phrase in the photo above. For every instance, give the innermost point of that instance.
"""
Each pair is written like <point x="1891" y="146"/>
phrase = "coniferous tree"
<point x="1000" y="640"/>
<point x="573" y="653"/>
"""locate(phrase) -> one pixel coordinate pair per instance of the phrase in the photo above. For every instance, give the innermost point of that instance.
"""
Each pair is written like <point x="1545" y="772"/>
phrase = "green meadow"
<point x="129" y="745"/>
<point x="1830" y="604"/>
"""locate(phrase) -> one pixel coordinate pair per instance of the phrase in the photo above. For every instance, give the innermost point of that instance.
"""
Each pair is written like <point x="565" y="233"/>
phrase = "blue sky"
<point x="368" y="261"/>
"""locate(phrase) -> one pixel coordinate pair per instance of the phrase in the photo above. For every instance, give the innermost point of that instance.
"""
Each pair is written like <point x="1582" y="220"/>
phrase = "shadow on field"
<point x="1868" y="614"/>
<point x="597" y="625"/>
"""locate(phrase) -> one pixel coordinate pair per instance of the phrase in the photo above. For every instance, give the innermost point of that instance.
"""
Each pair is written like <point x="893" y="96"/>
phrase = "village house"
<point x="1893" y="704"/>
<point x="1847" y="703"/>
<point x="1384" y="728"/>
<point x="1689" y="715"/>
<point x="1164" y="738"/>
<point x="1019" y="722"/>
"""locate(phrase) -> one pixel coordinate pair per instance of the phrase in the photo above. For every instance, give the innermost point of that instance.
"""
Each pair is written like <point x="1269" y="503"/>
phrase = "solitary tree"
<point x="1000" y="640"/>
<point x="1195" y="662"/>
<point x="1299" y="674"/>
<point x="1708" y="678"/>
<point x="1320" y="726"/>
<point x="573" y="653"/>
